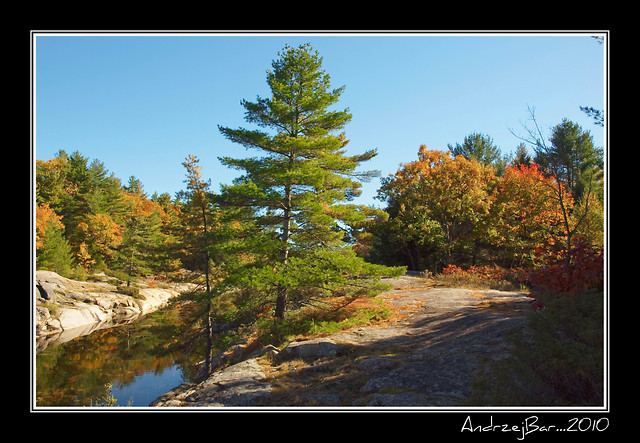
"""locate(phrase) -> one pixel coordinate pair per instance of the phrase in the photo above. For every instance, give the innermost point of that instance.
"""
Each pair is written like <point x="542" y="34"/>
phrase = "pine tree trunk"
<point x="281" y="300"/>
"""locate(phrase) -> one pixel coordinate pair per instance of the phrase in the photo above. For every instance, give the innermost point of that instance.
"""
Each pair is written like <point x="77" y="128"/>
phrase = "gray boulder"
<point x="311" y="349"/>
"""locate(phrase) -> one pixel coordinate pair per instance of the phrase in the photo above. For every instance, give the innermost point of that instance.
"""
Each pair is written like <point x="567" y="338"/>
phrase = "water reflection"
<point x="127" y="364"/>
<point x="147" y="387"/>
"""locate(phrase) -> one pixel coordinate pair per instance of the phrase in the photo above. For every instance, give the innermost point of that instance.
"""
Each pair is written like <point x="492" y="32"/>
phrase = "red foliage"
<point x="584" y="271"/>
<point x="488" y="272"/>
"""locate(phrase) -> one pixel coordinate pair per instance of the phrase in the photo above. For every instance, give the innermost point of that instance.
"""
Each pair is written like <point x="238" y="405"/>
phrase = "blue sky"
<point x="141" y="103"/>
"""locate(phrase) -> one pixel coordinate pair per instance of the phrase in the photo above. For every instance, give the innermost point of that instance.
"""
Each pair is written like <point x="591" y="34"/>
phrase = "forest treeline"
<point x="287" y="231"/>
<point x="469" y="206"/>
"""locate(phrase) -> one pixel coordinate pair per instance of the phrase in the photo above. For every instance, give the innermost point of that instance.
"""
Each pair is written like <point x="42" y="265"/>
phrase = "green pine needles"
<point x="293" y="221"/>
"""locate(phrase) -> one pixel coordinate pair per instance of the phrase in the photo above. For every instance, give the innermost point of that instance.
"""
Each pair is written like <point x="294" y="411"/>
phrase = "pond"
<point x="126" y="365"/>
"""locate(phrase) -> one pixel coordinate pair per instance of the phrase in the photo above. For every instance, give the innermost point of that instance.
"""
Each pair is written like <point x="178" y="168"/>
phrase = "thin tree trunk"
<point x="409" y="246"/>
<point x="209" y="350"/>
<point x="206" y="251"/>
<point x="281" y="303"/>
<point x="130" y="268"/>
<point x="476" y="248"/>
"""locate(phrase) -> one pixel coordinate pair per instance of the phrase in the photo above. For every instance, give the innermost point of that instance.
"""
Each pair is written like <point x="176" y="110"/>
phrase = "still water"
<point x="127" y="365"/>
<point x="147" y="387"/>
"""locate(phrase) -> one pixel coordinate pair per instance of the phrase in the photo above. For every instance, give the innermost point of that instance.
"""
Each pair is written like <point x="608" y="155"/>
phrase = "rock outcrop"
<point x="65" y="308"/>
<point x="427" y="356"/>
<point x="241" y="384"/>
<point x="244" y="383"/>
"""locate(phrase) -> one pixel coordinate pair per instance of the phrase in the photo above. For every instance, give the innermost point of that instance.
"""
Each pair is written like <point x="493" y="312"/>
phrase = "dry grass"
<point x="326" y="382"/>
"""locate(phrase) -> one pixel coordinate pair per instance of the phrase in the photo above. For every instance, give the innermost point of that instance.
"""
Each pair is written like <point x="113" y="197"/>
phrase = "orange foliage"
<point x="438" y="190"/>
<point x="83" y="256"/>
<point x="456" y="206"/>
<point x="45" y="218"/>
<point x="528" y="215"/>
<point x="101" y="232"/>
<point x="141" y="206"/>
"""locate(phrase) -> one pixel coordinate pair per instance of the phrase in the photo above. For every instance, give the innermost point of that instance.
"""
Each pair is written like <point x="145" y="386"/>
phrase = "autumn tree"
<point x="83" y="210"/>
<point x="88" y="199"/>
<point x="577" y="168"/>
<point x="52" y="249"/>
<point x="297" y="187"/>
<point x="101" y="236"/>
<point x="441" y="203"/>
<point x="526" y="215"/>
<point x="589" y="219"/>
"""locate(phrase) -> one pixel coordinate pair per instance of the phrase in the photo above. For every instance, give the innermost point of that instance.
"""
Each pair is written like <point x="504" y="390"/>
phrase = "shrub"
<point x="318" y="321"/>
<point x="483" y="277"/>
<point x="570" y="334"/>
<point x="558" y="360"/>
<point x="561" y="273"/>
<point x="131" y="291"/>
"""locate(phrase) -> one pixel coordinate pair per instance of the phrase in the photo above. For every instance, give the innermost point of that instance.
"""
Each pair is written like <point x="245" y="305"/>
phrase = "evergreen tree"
<point x="142" y="236"/>
<point x="596" y="114"/>
<point x="88" y="199"/>
<point x="521" y="157"/>
<point x="197" y="210"/>
<point x="572" y="157"/>
<point x="167" y="256"/>
<point x="481" y="148"/>
<point x="135" y="187"/>
<point x="297" y="186"/>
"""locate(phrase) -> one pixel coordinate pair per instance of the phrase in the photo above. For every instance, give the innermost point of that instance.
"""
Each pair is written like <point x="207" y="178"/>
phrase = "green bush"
<point x="318" y="322"/>
<point x="557" y="361"/>
<point x="131" y="291"/>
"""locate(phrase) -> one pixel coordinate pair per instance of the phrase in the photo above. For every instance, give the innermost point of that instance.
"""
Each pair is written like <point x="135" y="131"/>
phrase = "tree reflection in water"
<point x="90" y="370"/>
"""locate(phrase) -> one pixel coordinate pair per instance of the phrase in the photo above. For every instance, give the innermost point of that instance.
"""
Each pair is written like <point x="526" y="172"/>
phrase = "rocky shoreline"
<point x="425" y="355"/>
<point x="66" y="309"/>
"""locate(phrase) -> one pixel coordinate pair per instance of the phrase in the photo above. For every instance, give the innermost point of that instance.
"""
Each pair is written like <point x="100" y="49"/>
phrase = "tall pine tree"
<point x="298" y="187"/>
<point x="197" y="211"/>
